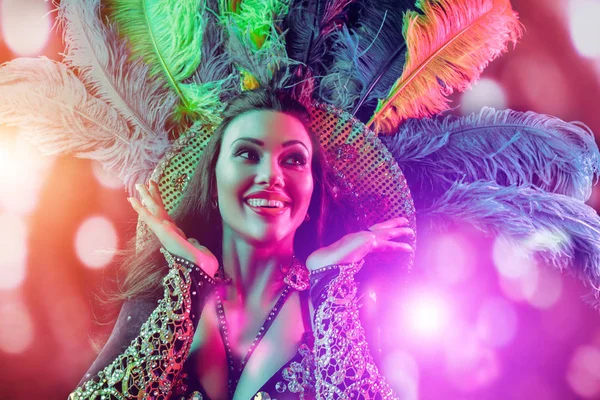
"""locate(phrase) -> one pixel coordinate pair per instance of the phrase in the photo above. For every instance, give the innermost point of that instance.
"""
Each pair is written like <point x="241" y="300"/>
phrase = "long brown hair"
<point x="197" y="218"/>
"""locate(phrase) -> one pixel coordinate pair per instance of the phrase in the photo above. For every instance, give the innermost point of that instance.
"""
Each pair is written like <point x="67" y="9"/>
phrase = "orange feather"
<point x="448" y="46"/>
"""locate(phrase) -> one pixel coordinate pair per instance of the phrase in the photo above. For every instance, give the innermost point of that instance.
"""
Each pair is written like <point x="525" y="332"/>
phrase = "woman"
<point x="260" y="196"/>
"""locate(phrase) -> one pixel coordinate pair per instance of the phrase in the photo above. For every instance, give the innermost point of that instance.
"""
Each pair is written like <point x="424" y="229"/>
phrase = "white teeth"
<point x="265" y="203"/>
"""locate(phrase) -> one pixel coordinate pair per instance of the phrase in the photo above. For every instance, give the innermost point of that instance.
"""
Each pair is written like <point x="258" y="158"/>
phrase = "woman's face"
<point x="264" y="176"/>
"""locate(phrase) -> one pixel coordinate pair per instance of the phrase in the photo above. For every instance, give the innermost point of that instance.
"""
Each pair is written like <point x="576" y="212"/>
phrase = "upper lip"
<point x="265" y="194"/>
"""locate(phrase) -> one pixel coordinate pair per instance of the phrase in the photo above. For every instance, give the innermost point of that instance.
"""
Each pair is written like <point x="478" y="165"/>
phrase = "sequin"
<point x="280" y="387"/>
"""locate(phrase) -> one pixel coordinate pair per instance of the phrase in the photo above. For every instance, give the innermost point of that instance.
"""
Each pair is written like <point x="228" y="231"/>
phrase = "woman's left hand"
<point x="355" y="246"/>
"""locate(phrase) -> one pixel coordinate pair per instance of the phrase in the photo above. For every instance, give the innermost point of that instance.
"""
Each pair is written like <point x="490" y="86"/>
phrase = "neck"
<point x="255" y="270"/>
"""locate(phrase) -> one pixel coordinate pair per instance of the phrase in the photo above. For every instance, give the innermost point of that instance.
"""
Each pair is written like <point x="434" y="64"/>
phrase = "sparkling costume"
<point x="153" y="365"/>
<point x="135" y="93"/>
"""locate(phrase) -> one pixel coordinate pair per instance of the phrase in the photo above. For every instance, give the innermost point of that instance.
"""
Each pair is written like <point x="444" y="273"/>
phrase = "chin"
<point x="267" y="235"/>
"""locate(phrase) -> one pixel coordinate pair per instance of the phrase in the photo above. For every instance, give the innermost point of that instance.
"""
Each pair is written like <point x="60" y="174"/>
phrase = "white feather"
<point x="101" y="58"/>
<point x="57" y="114"/>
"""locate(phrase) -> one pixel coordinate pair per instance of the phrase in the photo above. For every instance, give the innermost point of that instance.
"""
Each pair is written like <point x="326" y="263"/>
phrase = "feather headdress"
<point x="138" y="73"/>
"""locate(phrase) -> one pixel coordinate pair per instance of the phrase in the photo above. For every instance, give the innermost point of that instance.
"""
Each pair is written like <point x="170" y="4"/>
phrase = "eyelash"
<point x="299" y="157"/>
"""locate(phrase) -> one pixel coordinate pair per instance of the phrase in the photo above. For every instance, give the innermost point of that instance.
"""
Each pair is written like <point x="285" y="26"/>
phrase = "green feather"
<point x="256" y="17"/>
<point x="168" y="36"/>
<point x="256" y="44"/>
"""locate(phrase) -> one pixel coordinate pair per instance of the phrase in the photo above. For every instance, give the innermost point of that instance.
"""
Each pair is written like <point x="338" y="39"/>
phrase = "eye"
<point x="296" y="159"/>
<point x="250" y="154"/>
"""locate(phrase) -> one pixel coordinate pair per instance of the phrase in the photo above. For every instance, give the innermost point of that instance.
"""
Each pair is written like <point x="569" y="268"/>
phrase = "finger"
<point x="391" y="233"/>
<point x="390" y="223"/>
<point x="387" y="245"/>
<point x="149" y="202"/>
<point x="196" y="244"/>
<point x="145" y="215"/>
<point x="155" y="192"/>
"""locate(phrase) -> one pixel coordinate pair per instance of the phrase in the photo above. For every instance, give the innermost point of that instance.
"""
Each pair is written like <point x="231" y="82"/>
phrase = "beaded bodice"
<point x="152" y="365"/>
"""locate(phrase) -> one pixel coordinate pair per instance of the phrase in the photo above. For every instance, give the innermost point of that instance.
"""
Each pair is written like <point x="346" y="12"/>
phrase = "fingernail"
<point x="129" y="199"/>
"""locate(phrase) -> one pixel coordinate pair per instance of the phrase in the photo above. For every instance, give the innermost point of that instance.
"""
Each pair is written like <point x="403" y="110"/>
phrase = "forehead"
<point x="272" y="127"/>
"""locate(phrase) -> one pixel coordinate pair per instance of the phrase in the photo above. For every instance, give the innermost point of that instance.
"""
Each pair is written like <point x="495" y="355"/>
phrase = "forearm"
<point x="150" y="366"/>
<point x="344" y="365"/>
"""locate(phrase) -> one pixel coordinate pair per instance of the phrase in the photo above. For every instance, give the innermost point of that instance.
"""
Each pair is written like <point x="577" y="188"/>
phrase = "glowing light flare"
<point x="452" y="258"/>
<point x="402" y="371"/>
<point x="16" y="329"/>
<point x="13" y="251"/>
<point x="104" y="177"/>
<point x="497" y="322"/>
<point x="427" y="314"/>
<point x="584" y="27"/>
<point x="95" y="242"/>
<point x="487" y="92"/>
<point x="23" y="170"/>
<point x="583" y="374"/>
<point x="25" y="25"/>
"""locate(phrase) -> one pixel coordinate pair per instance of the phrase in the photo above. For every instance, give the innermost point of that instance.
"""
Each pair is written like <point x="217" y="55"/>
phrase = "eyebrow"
<point x="261" y="143"/>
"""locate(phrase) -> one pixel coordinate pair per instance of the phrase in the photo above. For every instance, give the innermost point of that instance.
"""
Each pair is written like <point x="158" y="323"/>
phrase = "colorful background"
<point x="477" y="319"/>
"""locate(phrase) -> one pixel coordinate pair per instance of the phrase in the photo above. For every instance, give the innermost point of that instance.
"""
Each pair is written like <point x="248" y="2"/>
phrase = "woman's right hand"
<point x="152" y="212"/>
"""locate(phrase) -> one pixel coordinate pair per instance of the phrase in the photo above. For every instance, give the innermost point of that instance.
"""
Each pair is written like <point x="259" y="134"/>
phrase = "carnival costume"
<point x="141" y="89"/>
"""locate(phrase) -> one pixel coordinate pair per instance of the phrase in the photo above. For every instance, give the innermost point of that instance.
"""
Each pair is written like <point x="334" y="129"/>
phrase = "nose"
<point x="269" y="173"/>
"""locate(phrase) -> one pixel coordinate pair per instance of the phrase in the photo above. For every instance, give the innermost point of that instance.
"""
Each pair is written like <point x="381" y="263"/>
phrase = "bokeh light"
<point x="469" y="364"/>
<point x="497" y="322"/>
<point x="583" y="374"/>
<point x="585" y="30"/>
<point x="13" y="251"/>
<point x="486" y="92"/>
<point x="540" y="82"/>
<point x="548" y="289"/>
<point x="23" y="170"/>
<point x="25" y="25"/>
<point x="402" y="372"/>
<point x="105" y="178"/>
<point x="16" y="329"/>
<point x="512" y="260"/>
<point x="521" y="288"/>
<point x="521" y="278"/>
<point x="452" y="258"/>
<point x="96" y="242"/>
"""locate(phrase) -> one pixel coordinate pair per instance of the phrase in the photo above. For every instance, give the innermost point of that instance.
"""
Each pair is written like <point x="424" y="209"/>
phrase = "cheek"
<point x="304" y="191"/>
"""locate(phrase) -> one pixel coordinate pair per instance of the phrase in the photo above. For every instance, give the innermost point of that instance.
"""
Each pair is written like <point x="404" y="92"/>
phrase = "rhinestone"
<point x="280" y="387"/>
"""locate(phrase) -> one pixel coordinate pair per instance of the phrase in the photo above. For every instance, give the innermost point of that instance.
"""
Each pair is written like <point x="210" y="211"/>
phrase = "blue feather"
<point x="521" y="213"/>
<point x="506" y="147"/>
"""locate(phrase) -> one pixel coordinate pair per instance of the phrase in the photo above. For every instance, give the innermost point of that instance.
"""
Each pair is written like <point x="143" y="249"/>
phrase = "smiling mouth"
<point x="267" y="207"/>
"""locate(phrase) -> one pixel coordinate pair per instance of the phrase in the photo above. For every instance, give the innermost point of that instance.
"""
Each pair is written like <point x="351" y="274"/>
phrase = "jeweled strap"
<point x="236" y="373"/>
